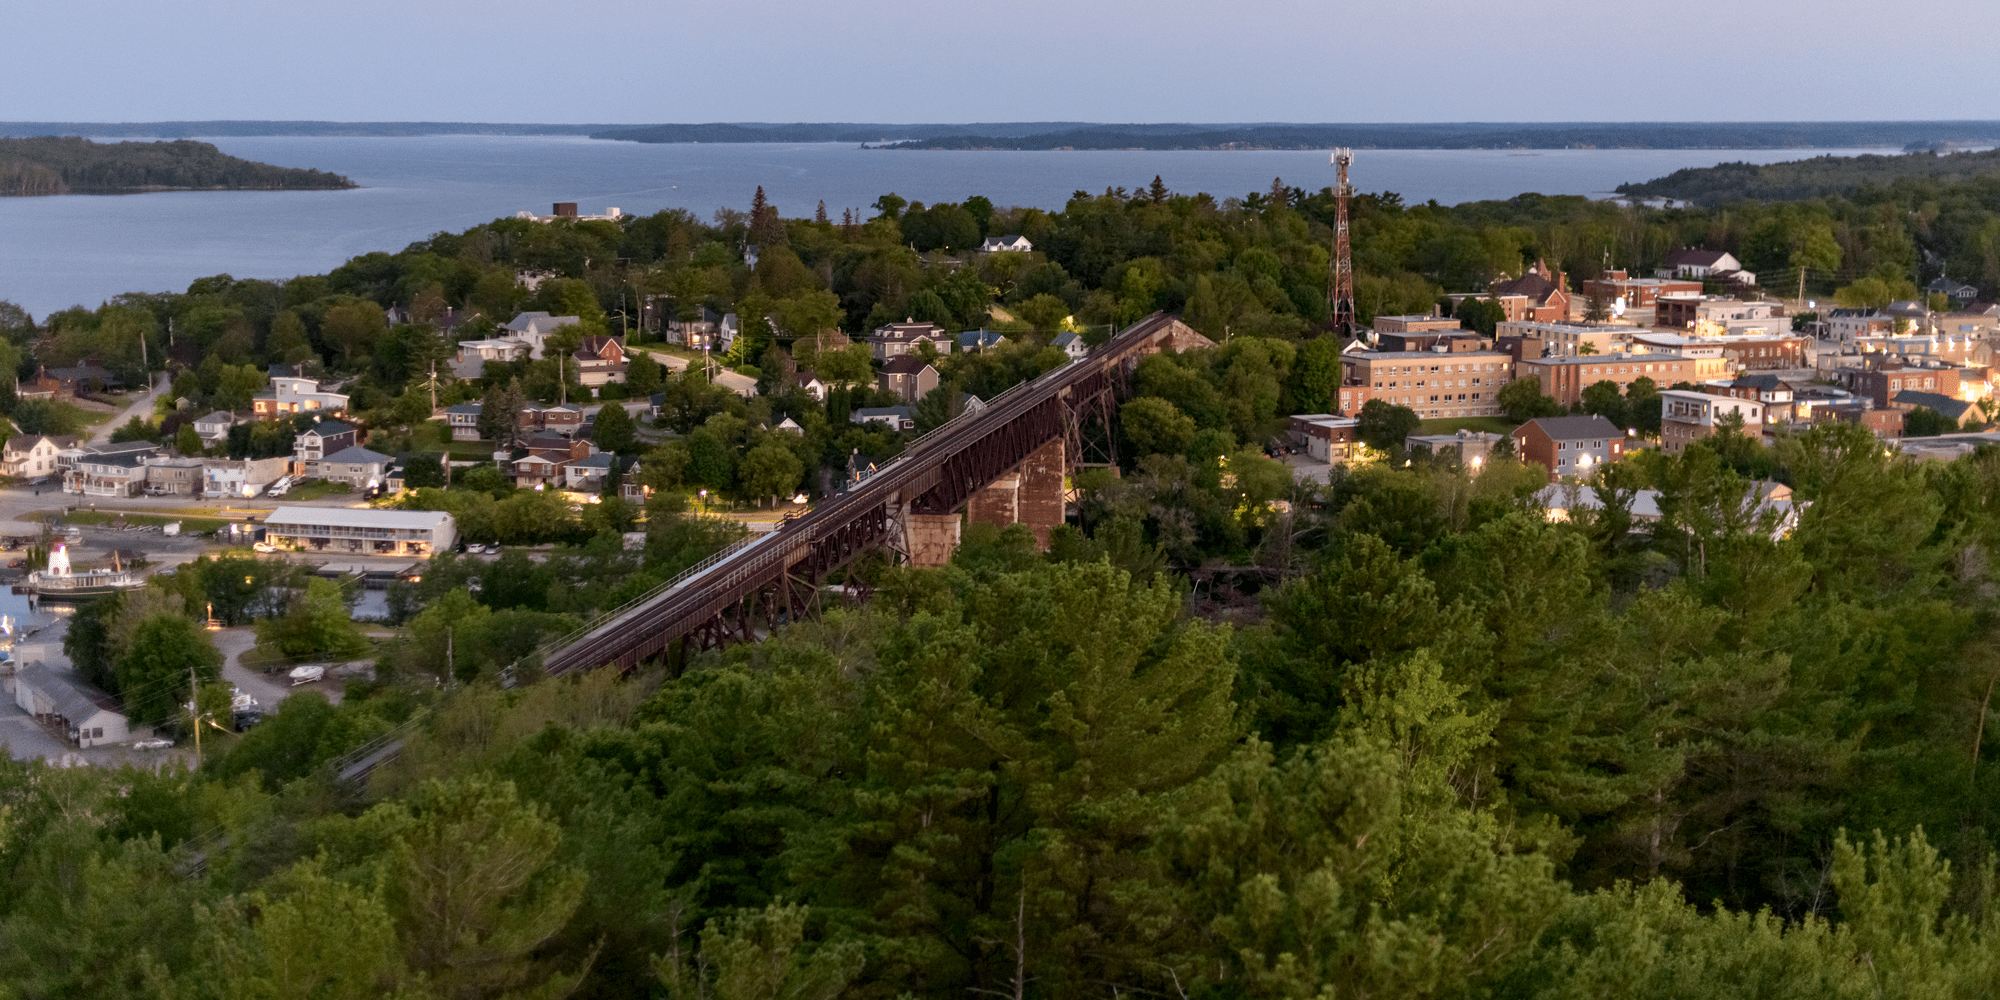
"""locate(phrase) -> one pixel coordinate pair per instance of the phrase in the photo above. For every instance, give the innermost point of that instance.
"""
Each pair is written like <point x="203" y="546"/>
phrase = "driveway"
<point x="140" y="407"/>
<point x="268" y="689"/>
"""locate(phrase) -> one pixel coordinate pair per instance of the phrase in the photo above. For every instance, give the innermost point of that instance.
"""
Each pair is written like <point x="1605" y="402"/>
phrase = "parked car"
<point x="263" y="547"/>
<point x="155" y="743"/>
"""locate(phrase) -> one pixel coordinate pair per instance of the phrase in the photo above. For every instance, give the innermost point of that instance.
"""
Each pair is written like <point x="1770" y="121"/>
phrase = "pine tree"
<point x="1157" y="191"/>
<point x="819" y="214"/>
<point x="1277" y="198"/>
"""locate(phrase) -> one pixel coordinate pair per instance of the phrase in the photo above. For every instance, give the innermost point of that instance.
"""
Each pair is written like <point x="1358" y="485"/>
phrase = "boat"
<point x="59" y="582"/>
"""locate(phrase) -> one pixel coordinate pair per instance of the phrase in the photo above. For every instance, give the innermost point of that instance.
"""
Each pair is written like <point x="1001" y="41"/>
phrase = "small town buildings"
<point x="296" y="394"/>
<point x="1542" y="340"/>
<point x="599" y="361"/>
<point x="1470" y="447"/>
<point x="85" y="716"/>
<point x="1709" y="315"/>
<point x="1959" y="411"/>
<point x="710" y="329"/>
<point x="85" y="377"/>
<point x="532" y="331"/>
<point x="214" y="428"/>
<point x="1071" y="343"/>
<point x="1437" y="341"/>
<point x="1775" y="352"/>
<point x="473" y="355"/>
<point x="1564" y="379"/>
<point x="1638" y="293"/>
<point x="1689" y="262"/>
<point x="1844" y="326"/>
<point x="356" y="466"/>
<point x="225" y="477"/>
<point x="1881" y="385"/>
<point x="565" y="418"/>
<point x="463" y="419"/>
<point x="1957" y="349"/>
<point x="1464" y="384"/>
<point x="896" y="418"/>
<point x="1687" y="417"/>
<point x="908" y="377"/>
<point x="174" y="477"/>
<point x="30" y="456"/>
<point x="805" y="382"/>
<point x="323" y="438"/>
<point x="1326" y="437"/>
<point x="1959" y="294"/>
<point x="1777" y="395"/>
<point x="1011" y="243"/>
<point x="1417" y="323"/>
<point x="119" y="474"/>
<point x="1538" y="295"/>
<point x="587" y="474"/>
<point x="979" y="341"/>
<point x="566" y="211"/>
<point x="896" y="339"/>
<point x="360" y="530"/>
<point x="1570" y="446"/>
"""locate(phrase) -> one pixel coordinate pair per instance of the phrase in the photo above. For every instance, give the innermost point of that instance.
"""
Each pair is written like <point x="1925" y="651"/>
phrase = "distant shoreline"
<point x="1083" y="136"/>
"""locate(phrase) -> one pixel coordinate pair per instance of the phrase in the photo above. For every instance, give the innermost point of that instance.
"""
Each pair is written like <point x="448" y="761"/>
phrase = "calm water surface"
<point x="58" y="252"/>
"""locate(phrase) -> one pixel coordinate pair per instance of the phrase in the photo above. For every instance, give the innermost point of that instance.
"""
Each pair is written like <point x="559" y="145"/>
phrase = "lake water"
<point x="63" y="251"/>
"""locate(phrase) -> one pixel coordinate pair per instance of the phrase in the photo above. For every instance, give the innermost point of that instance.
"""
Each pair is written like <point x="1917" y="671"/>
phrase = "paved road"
<point x="140" y="407"/>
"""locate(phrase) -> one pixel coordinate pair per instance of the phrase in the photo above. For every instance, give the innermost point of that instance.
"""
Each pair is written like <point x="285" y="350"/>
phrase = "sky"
<point x="644" y="61"/>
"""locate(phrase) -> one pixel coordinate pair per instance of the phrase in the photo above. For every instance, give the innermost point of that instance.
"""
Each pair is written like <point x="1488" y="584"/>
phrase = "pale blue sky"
<point x="1022" y="60"/>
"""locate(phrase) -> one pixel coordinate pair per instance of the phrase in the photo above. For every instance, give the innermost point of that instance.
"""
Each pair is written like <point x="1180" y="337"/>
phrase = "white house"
<point x="1071" y="343"/>
<point x="893" y="339"/>
<point x="533" y="329"/>
<point x="214" y="428"/>
<point x="1014" y="243"/>
<point x="356" y="466"/>
<point x="89" y="717"/>
<point x="1691" y="263"/>
<point x="351" y="529"/>
<point x="31" y="455"/>
<point x="296" y="394"/>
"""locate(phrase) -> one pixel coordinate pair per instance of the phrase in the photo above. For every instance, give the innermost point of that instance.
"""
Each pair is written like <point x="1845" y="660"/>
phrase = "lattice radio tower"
<point x="1340" y="293"/>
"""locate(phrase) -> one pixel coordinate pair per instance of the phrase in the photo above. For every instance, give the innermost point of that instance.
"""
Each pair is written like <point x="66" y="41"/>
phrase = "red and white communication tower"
<point x="1340" y="297"/>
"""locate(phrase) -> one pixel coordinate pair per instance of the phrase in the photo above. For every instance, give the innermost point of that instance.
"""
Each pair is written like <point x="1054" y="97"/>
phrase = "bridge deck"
<point x="933" y="471"/>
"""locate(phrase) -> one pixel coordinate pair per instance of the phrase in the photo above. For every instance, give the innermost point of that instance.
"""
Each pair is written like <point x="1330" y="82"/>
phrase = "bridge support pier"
<point x="1031" y="494"/>
<point x="930" y="539"/>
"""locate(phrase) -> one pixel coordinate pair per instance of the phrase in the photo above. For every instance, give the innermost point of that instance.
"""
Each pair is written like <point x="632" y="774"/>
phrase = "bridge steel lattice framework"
<point x="761" y="582"/>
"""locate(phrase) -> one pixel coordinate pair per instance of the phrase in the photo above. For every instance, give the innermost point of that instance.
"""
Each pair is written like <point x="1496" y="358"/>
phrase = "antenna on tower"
<point x="1340" y="291"/>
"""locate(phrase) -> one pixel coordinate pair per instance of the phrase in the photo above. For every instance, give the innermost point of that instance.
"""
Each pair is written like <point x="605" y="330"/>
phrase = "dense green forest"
<point x="48" y="165"/>
<point x="1449" y="749"/>
<point x="1796" y="180"/>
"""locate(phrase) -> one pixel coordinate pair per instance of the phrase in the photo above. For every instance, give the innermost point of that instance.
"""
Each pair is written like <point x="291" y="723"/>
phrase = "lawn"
<point x="314" y="490"/>
<point x="106" y="517"/>
<point x="1492" y="425"/>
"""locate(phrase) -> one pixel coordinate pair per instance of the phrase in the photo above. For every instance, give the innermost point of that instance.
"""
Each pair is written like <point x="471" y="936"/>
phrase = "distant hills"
<point x="1811" y="178"/>
<point x="1092" y="135"/>
<point x="50" y="165"/>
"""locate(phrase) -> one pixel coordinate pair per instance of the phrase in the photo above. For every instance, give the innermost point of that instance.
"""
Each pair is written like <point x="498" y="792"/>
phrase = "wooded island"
<point x="44" y="165"/>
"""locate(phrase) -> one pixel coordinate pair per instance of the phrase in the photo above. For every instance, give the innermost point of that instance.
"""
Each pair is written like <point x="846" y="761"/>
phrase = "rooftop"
<point x="357" y="517"/>
<point x="1574" y="428"/>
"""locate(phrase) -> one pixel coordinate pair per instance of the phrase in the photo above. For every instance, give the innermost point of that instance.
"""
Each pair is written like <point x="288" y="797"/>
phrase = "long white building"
<point x="361" y="531"/>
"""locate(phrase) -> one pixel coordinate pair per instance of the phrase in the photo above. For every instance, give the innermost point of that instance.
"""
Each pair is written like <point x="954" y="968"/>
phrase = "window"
<point x="97" y="733"/>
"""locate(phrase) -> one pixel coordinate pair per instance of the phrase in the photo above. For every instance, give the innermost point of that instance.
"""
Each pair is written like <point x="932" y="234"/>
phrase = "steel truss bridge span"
<point x="759" y="582"/>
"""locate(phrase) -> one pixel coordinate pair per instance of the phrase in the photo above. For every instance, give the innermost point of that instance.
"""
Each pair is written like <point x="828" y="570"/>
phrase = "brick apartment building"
<point x="1880" y="386"/>
<point x="1638" y="293"/>
<point x="1564" y="379"/>
<point x="1464" y="384"/>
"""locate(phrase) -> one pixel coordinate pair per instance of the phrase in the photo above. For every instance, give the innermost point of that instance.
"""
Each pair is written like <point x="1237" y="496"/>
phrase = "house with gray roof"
<point x="354" y="465"/>
<point x="86" y="716"/>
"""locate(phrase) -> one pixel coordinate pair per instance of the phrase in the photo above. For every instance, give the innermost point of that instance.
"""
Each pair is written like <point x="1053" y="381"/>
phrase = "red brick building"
<point x="1539" y="295"/>
<point x="1564" y="379"/>
<point x="1569" y="446"/>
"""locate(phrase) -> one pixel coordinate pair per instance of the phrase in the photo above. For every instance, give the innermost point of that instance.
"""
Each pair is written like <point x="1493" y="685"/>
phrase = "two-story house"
<point x="1070" y="343"/>
<point x="1010" y="243"/>
<point x="587" y="474"/>
<point x="565" y="419"/>
<point x="1687" y="417"/>
<point x="1570" y="446"/>
<point x="296" y="394"/>
<point x="356" y="466"/>
<point x="322" y="439"/>
<point x="463" y="419"/>
<point x="896" y="339"/>
<point x="541" y="461"/>
<point x="599" y="361"/>
<point x="214" y="428"/>
<point x="31" y="456"/>
<point x="908" y="377"/>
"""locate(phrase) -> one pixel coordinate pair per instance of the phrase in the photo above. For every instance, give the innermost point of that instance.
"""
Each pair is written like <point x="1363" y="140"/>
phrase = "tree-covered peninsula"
<point x="44" y="165"/>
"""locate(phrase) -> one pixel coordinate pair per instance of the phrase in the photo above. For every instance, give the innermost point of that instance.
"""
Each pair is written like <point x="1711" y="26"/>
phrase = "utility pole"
<point x="1802" y="284"/>
<point x="194" y="703"/>
<point x="1340" y="296"/>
